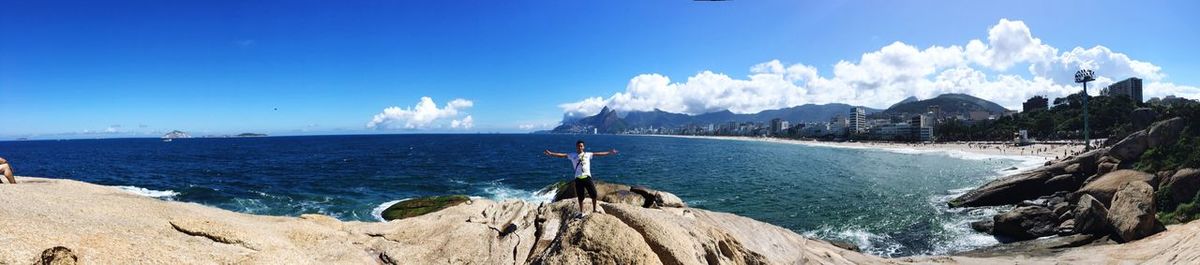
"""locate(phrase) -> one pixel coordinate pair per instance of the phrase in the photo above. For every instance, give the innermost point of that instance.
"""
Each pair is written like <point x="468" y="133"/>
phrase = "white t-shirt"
<point x="582" y="163"/>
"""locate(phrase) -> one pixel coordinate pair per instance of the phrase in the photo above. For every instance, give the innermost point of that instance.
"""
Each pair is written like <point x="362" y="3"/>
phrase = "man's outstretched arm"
<point x="547" y="152"/>
<point x="610" y="152"/>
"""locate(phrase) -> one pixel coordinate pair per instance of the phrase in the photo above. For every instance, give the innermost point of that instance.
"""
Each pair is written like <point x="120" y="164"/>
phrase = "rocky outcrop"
<point x="1132" y="212"/>
<point x="1105" y="186"/>
<point x="1090" y="216"/>
<point x="1130" y="148"/>
<point x="1032" y="184"/>
<point x="598" y="239"/>
<point x="116" y="227"/>
<point x="619" y="193"/>
<point x="1165" y="132"/>
<point x="1025" y="222"/>
<point x="1182" y="186"/>
<point x="1142" y="117"/>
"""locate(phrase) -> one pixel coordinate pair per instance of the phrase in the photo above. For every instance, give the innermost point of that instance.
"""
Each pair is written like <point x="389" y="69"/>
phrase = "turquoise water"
<point x="890" y="203"/>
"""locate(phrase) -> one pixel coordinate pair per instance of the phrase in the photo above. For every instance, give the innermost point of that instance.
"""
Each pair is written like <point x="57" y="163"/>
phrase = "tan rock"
<point x="1103" y="187"/>
<point x="1132" y="212"/>
<point x="598" y="239"/>
<point x="1090" y="216"/>
<point x="1183" y="186"/>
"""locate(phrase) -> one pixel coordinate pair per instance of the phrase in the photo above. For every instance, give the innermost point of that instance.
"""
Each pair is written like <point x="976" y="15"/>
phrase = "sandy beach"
<point x="1036" y="152"/>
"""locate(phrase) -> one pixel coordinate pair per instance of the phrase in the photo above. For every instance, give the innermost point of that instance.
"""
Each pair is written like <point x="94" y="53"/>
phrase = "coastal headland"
<point x="104" y="225"/>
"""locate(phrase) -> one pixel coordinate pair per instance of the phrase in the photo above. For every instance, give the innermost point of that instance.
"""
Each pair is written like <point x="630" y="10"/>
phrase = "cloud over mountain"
<point x="424" y="115"/>
<point x="1010" y="67"/>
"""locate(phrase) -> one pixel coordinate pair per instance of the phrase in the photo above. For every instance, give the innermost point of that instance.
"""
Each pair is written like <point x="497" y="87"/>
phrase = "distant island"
<point x="252" y="135"/>
<point x="176" y="134"/>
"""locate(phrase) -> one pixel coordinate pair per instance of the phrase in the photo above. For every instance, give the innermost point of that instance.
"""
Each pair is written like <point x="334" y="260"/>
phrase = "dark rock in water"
<point x="984" y="226"/>
<point x="422" y="206"/>
<point x="1039" y="247"/>
<point x="59" y="255"/>
<point x="1142" y="117"/>
<point x="1165" y="132"/>
<point x="1103" y="187"/>
<point x="1181" y="187"/>
<point x="1132" y="212"/>
<point x="1025" y="186"/>
<point x="1130" y="148"/>
<point x="1024" y="223"/>
<point x="845" y="245"/>
<point x="1011" y="169"/>
<point x="1090" y="216"/>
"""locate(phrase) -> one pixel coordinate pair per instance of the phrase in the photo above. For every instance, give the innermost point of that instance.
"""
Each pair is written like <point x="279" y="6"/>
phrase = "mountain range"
<point x="610" y="121"/>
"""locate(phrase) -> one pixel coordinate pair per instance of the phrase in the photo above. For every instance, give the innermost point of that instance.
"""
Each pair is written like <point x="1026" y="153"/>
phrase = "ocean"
<point x="889" y="202"/>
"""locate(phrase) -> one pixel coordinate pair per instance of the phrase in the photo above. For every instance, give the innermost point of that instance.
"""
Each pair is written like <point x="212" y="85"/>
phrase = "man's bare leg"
<point x="593" y="205"/>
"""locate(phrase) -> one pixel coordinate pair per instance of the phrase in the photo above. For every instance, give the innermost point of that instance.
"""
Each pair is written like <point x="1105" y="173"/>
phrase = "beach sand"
<point x="1035" y="152"/>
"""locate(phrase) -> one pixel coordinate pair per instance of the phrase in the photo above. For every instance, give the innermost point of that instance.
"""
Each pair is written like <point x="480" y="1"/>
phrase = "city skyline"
<point x="139" y="69"/>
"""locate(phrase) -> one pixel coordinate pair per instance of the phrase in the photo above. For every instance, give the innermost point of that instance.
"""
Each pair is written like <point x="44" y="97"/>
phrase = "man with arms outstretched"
<point x="582" y="161"/>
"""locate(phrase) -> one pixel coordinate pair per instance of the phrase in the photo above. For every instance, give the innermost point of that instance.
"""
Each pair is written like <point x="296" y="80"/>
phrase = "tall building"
<point x="858" y="120"/>
<point x="778" y="126"/>
<point x="1035" y="103"/>
<point x="1131" y="87"/>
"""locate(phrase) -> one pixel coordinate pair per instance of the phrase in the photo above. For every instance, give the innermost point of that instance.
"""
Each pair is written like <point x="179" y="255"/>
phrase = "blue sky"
<point x="71" y="69"/>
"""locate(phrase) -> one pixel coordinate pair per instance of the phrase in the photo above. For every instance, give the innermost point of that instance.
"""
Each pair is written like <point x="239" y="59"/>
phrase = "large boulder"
<point x="1026" y="222"/>
<point x="656" y="198"/>
<point x="1028" y="185"/>
<point x="1130" y="148"/>
<point x="1142" y="117"/>
<point x="1165" y="132"/>
<point x="1090" y="216"/>
<point x="1132" y="212"/>
<point x="681" y="240"/>
<point x="1103" y="187"/>
<point x="625" y="197"/>
<point x="422" y="206"/>
<point x="598" y="239"/>
<point x="1182" y="186"/>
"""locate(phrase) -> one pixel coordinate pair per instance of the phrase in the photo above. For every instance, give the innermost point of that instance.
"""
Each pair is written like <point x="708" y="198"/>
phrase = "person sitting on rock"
<point x="7" y="171"/>
<point x="582" y="161"/>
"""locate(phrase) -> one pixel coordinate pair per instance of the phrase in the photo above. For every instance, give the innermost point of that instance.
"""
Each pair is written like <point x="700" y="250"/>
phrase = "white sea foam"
<point x="160" y="194"/>
<point x="871" y="243"/>
<point x="378" y="211"/>
<point x="499" y="192"/>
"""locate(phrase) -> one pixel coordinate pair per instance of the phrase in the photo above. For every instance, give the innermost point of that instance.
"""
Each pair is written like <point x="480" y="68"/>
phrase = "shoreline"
<point x="1039" y="153"/>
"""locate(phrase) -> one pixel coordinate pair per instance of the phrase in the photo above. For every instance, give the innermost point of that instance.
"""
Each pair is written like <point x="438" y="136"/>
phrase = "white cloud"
<point x="465" y="123"/>
<point x="885" y="76"/>
<point x="423" y="115"/>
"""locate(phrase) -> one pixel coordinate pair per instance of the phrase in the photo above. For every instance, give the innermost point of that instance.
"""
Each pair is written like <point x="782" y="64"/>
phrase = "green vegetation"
<point x="1107" y="116"/>
<point x="1181" y="213"/>
<point x="422" y="206"/>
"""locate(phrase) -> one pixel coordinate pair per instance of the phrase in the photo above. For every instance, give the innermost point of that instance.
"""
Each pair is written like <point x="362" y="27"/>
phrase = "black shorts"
<point x="585" y="184"/>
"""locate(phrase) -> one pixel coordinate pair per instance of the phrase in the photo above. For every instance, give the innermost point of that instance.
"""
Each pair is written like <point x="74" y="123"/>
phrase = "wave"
<point x="378" y="211"/>
<point x="871" y="243"/>
<point x="159" y="194"/>
<point x="497" y="191"/>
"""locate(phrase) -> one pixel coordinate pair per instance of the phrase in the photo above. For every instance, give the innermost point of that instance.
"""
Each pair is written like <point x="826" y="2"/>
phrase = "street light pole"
<point x="1084" y="76"/>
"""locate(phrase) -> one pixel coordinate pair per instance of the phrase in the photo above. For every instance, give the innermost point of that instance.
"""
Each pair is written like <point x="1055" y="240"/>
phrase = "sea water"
<point x="889" y="202"/>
